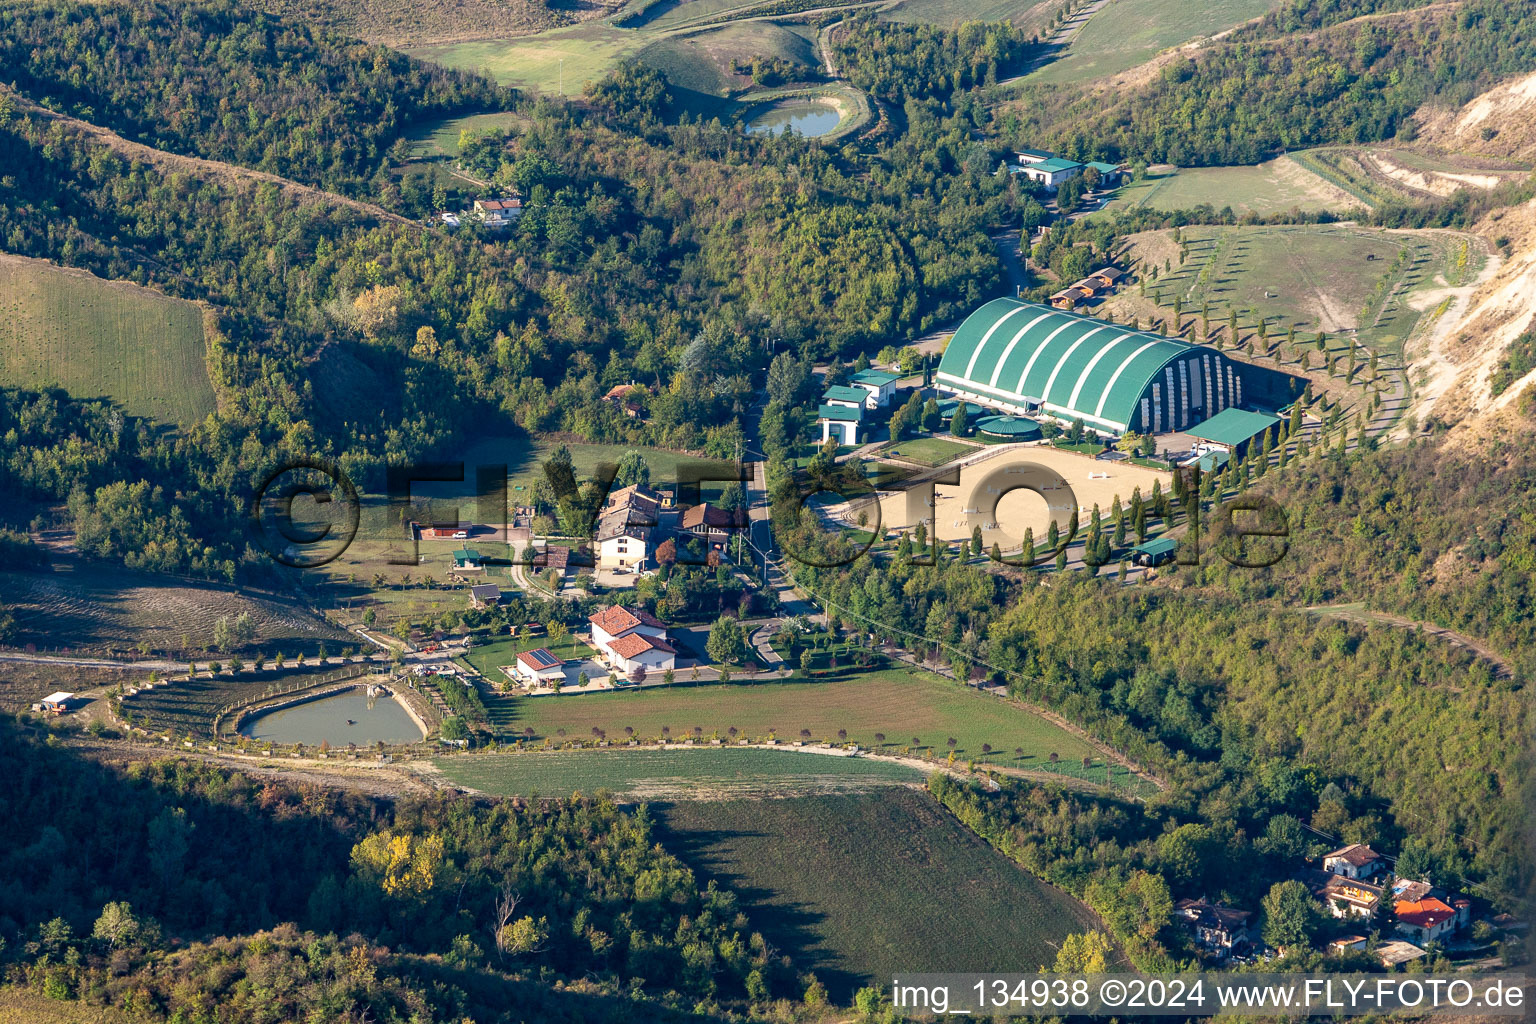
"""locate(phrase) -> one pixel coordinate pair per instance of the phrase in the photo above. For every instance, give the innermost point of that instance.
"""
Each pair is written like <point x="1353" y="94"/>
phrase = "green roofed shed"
<point x="841" y="413"/>
<point x="875" y="378"/>
<point x="843" y="393"/>
<point x="1154" y="552"/>
<point x="1233" y="428"/>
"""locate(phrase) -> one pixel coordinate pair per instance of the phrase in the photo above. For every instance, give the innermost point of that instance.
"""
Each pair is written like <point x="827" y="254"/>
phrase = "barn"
<point x="1023" y="358"/>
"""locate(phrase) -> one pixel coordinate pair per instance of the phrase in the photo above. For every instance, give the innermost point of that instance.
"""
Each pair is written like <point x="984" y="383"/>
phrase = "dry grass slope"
<point x="414" y="23"/>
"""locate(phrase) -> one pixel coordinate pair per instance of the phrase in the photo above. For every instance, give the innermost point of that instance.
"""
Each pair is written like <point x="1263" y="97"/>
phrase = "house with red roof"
<point x="632" y="640"/>
<point x="1424" y="921"/>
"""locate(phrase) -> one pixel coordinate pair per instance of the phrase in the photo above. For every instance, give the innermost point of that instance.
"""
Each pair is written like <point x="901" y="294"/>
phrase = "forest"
<point x="218" y="80"/>
<point x="1257" y="94"/>
<point x="898" y="62"/>
<point x="117" y="887"/>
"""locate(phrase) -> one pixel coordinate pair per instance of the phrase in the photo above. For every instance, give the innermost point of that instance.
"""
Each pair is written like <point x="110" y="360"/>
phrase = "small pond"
<point x="803" y="117"/>
<point x="345" y="718"/>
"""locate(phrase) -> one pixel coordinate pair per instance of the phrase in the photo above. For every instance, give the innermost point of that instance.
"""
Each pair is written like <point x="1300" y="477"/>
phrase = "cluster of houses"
<point x="630" y="642"/>
<point x="841" y="414"/>
<point x="636" y="520"/>
<point x="1051" y="171"/>
<point x="493" y="213"/>
<point x="1347" y="888"/>
<point x="1100" y="281"/>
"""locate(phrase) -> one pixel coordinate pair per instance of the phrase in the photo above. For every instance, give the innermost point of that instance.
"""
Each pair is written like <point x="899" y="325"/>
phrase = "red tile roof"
<point x="615" y="619"/>
<point x="706" y="514"/>
<point x="637" y="644"/>
<point x="1355" y="854"/>
<point x="1423" y="913"/>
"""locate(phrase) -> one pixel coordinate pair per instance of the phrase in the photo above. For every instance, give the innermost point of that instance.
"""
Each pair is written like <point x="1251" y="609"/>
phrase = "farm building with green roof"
<point x="1023" y="358"/>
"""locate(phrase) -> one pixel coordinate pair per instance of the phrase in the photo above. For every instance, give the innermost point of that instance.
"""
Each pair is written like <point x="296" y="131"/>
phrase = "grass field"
<point x="1029" y="15"/>
<point x="1274" y="187"/>
<point x="95" y="338"/>
<point x="672" y="774"/>
<point x="563" y="60"/>
<point x="1130" y="32"/>
<point x="861" y="888"/>
<point x="899" y="702"/>
<point x="1314" y="277"/>
<point x="930" y="451"/>
<point x="701" y="62"/>
<point x="95" y="607"/>
<point x="440" y="139"/>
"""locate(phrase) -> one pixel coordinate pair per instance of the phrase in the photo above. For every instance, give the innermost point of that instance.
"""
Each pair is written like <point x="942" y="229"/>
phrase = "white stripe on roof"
<point x="1088" y="370"/>
<point x="1036" y="355"/>
<point x="1099" y="409"/>
<point x="1050" y="381"/>
<point x="1002" y="360"/>
<point x="970" y="367"/>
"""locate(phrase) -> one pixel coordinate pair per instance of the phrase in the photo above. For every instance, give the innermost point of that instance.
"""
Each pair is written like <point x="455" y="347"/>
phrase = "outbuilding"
<point x="539" y="666"/>
<point x="1231" y="430"/>
<point x="1154" y="552"/>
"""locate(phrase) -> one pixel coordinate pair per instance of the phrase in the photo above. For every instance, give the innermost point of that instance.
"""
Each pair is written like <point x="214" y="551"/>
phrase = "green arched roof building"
<point x="1022" y="357"/>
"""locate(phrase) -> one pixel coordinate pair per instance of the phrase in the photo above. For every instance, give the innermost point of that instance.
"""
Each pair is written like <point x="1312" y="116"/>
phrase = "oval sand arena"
<point x="1010" y="489"/>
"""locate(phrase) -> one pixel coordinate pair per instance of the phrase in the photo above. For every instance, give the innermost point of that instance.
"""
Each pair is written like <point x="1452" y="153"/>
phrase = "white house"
<point x="498" y="213"/>
<point x="879" y="385"/>
<point x="1353" y="861"/>
<point x="1052" y="172"/>
<point x="840" y="422"/>
<point x="632" y="639"/>
<point x="1033" y="156"/>
<point x="539" y="667"/>
<point x="624" y="528"/>
<point x="1424" y="921"/>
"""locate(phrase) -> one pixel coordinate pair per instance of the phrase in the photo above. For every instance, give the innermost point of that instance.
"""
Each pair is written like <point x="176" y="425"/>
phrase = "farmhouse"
<point x="498" y="213"/>
<point x="1353" y="861"/>
<point x="624" y="527"/>
<point x="1425" y="920"/>
<point x="710" y="524"/>
<point x="1218" y="929"/>
<point x="1028" y="359"/>
<point x="539" y="666"/>
<point x="627" y="398"/>
<point x="485" y="595"/>
<point x="631" y="640"/>
<point x="1346" y="898"/>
